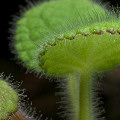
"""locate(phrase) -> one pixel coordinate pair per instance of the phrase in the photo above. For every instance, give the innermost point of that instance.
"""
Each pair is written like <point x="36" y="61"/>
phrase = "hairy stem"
<point x="85" y="112"/>
<point x="18" y="116"/>
<point x="73" y="89"/>
<point x="80" y="95"/>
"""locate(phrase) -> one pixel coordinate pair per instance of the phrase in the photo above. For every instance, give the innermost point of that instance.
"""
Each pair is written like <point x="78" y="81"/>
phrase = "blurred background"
<point x="42" y="91"/>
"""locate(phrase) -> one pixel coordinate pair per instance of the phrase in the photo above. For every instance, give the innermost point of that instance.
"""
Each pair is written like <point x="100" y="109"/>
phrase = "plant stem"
<point x="18" y="116"/>
<point x="85" y="103"/>
<point x="73" y="89"/>
<point x="79" y="88"/>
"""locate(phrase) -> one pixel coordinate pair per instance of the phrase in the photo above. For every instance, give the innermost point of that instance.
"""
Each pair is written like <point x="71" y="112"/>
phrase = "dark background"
<point x="41" y="91"/>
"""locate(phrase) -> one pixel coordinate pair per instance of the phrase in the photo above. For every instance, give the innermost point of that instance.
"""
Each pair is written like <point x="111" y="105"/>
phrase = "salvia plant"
<point x="71" y="40"/>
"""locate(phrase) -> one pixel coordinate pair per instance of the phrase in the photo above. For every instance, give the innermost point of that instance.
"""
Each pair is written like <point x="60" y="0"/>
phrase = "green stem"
<point x="73" y="89"/>
<point x="80" y="95"/>
<point x="85" y="112"/>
